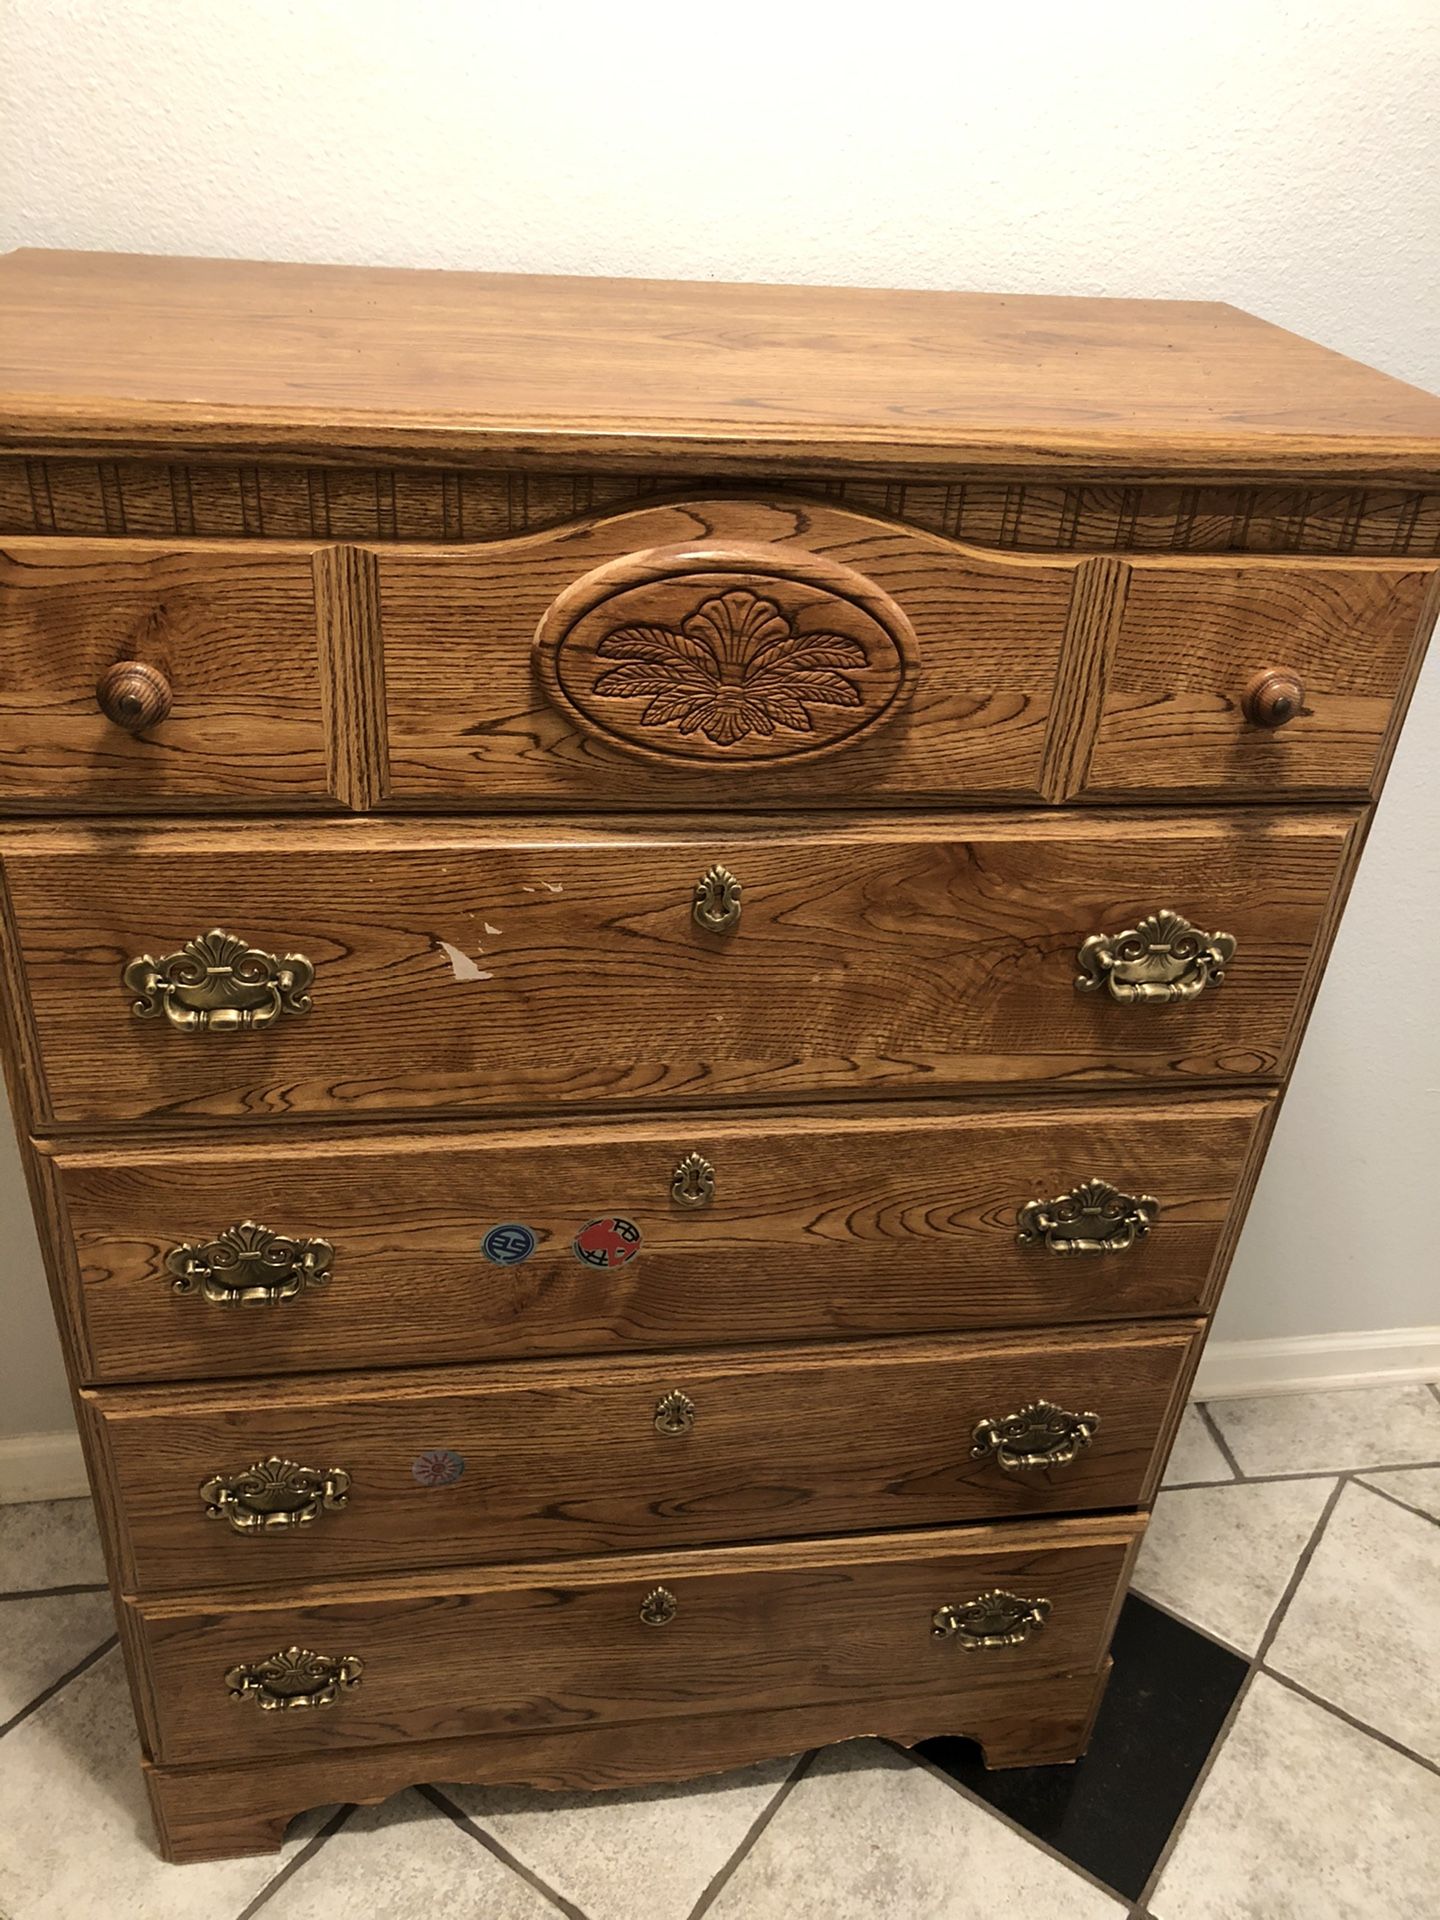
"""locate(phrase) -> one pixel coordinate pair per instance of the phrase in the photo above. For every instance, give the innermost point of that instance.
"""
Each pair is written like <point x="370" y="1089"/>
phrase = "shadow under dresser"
<point x="651" y="935"/>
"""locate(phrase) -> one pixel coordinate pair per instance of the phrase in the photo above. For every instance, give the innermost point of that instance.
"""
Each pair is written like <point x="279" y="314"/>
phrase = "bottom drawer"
<point x="589" y="1643"/>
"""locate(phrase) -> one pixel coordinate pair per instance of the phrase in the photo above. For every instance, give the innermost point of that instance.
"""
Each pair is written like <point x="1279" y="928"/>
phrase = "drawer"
<point x="790" y="1227"/>
<point x="1336" y="640"/>
<point x="801" y="653"/>
<point x="761" y="651"/>
<point x="738" y="1630"/>
<point x="542" y="1458"/>
<point x="494" y="967"/>
<point x="212" y="651"/>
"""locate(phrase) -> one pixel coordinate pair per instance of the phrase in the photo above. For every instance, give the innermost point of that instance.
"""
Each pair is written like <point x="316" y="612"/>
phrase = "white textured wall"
<point x="1280" y="156"/>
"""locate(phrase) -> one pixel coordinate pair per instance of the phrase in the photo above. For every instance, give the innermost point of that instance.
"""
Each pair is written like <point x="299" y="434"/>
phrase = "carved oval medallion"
<point x="727" y="655"/>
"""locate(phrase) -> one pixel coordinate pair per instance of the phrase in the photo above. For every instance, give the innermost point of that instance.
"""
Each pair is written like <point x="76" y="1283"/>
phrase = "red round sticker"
<point x="607" y="1243"/>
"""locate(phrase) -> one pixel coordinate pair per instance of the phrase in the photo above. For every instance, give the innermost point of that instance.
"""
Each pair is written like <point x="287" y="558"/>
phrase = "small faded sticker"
<point x="507" y="1245"/>
<point x="607" y="1242"/>
<point x="437" y="1468"/>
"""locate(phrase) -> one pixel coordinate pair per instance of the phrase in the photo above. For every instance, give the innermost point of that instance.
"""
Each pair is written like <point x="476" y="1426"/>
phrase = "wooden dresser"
<point x="652" y="933"/>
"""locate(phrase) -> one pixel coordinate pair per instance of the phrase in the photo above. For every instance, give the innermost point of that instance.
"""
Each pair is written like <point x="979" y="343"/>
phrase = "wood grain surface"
<point x="563" y="1456"/>
<point x="280" y="500"/>
<point x="468" y="967"/>
<point x="822" y="1225"/>
<point x="232" y="628"/>
<point x="169" y="355"/>
<point x="470" y="721"/>
<point x="220" y="1812"/>
<point x="1192" y="635"/>
<point x="562" y="1646"/>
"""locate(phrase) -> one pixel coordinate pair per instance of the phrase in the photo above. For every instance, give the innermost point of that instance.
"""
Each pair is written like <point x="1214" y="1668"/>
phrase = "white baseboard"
<point x="48" y="1466"/>
<point x="41" y="1466"/>
<point x="1315" y="1363"/>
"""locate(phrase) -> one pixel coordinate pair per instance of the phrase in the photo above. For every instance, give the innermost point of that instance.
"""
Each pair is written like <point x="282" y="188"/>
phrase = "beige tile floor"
<point x="1300" y="1531"/>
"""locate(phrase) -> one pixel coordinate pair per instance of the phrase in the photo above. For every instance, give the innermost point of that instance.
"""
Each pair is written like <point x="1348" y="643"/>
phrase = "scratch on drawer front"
<point x="489" y="929"/>
<point x="546" y="886"/>
<point x="461" y="965"/>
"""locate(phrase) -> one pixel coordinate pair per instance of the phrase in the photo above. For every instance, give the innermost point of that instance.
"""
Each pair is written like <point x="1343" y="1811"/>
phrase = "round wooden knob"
<point x="1273" y="697"/>
<point x="133" y="695"/>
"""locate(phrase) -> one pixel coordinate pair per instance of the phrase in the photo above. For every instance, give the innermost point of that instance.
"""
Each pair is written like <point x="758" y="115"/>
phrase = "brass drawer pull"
<point x="995" y="1619"/>
<point x="674" y="1412"/>
<point x="218" y="983"/>
<point x="1095" y="1218"/>
<point x="693" y="1182"/>
<point x="248" y="1263"/>
<point x="134" y="695"/>
<point x="1273" y="698"/>
<point x="716" y="904"/>
<point x="295" y="1677"/>
<point x="1162" y="960"/>
<point x="659" y="1608"/>
<point x="275" y="1495"/>
<point x="1040" y="1435"/>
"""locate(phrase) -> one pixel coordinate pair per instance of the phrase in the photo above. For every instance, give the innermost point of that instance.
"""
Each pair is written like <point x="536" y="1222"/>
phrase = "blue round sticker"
<point x="508" y="1245"/>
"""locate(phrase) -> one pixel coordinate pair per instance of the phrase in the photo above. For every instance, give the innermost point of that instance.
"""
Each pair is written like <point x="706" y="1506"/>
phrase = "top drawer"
<point x="733" y="652"/>
<point x="764" y="652"/>
<point x="207" y="658"/>
<point x="738" y="651"/>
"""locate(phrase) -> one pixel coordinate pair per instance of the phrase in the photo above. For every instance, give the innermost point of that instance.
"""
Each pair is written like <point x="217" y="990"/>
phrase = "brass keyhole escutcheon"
<point x="693" y="1182"/>
<point x="715" y="907"/>
<point x="674" y="1412"/>
<point x="659" y="1608"/>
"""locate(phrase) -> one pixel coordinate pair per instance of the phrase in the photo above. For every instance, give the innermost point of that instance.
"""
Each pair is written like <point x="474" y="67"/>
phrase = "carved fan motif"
<point x="726" y="656"/>
<point x="737" y="666"/>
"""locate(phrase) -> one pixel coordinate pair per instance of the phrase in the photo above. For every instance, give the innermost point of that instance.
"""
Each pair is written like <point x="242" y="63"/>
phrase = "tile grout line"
<point x="757" y="1826"/>
<point x="291" y="1867"/>
<point x="1342" y="1713"/>
<point x="49" y="1593"/>
<point x="49" y="1693"/>
<point x="1006" y="1820"/>
<point x="1394" y="1498"/>
<point x="1302" y="1473"/>
<point x="499" y="1851"/>
<point x="1242" y="1693"/>
<point x="1212" y="1427"/>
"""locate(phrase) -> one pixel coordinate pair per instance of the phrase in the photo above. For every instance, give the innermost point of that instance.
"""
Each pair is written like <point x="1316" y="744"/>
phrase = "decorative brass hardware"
<point x="1040" y="1435"/>
<point x="716" y="905"/>
<point x="134" y="695"/>
<point x="1162" y="960"/>
<point x="674" y="1412"/>
<point x="659" y="1608"/>
<point x="693" y="1182"/>
<point x="218" y="983"/>
<point x="295" y="1677"/>
<point x="274" y="1495"/>
<point x="995" y="1619"/>
<point x="1095" y="1218"/>
<point x="1273" y="698"/>
<point x="248" y="1262"/>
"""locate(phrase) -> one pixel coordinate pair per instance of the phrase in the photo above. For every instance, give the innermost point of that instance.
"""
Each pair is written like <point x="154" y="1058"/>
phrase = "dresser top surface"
<point x="157" y="354"/>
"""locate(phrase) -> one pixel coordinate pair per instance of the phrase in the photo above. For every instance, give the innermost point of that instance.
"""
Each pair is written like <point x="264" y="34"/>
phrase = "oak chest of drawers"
<point x="651" y="935"/>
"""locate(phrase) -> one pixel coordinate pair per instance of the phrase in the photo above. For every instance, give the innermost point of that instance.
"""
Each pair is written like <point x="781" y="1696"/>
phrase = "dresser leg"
<point x="192" y="1823"/>
<point x="1053" y="1730"/>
